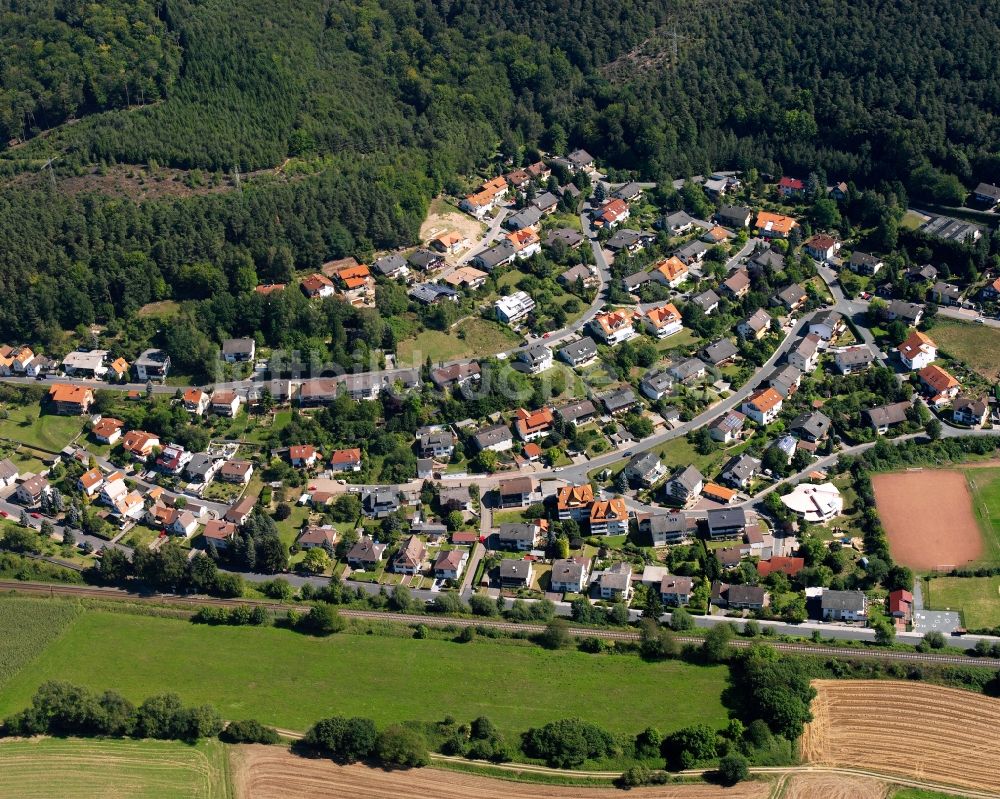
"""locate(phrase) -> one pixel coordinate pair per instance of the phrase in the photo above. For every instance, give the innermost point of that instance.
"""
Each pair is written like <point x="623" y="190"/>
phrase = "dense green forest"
<point x="380" y="104"/>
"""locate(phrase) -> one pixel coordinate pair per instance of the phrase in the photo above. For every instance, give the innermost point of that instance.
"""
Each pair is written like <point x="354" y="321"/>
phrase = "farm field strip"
<point x="910" y="729"/>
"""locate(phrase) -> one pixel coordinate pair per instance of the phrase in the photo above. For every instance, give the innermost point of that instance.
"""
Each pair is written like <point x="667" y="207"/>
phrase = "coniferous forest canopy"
<point x="383" y="103"/>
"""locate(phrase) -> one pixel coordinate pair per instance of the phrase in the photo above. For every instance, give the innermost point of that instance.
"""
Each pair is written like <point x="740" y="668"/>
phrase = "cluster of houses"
<point x="92" y="364"/>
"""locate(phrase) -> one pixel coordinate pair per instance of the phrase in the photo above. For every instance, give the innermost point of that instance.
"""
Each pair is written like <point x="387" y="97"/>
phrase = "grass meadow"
<point x="290" y="680"/>
<point x="27" y="627"/>
<point x="977" y="597"/>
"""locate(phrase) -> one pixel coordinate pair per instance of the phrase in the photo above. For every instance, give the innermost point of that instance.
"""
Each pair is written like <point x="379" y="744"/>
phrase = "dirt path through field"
<point x="928" y="518"/>
<point x="270" y="772"/>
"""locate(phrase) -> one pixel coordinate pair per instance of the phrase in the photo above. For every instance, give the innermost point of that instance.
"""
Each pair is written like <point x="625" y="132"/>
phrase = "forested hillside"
<point x="380" y="104"/>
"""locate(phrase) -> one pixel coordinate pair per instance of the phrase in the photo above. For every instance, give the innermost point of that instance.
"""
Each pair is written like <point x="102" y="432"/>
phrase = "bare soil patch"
<point x="928" y="518"/>
<point x="443" y="217"/>
<point x="914" y="730"/>
<point x="833" y="786"/>
<point x="270" y="772"/>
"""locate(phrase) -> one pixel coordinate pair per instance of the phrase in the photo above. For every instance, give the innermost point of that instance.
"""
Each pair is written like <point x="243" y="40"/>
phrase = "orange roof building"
<point x="533" y="424"/>
<point x="108" y="430"/>
<point x="613" y="327"/>
<point x="609" y="517"/>
<point x="573" y="502"/>
<point x="774" y="226"/>
<point x="317" y="285"/>
<point x="718" y="493"/>
<point x="763" y="406"/>
<point x="671" y="272"/>
<point x="140" y="443"/>
<point x="524" y="238"/>
<point x="270" y="288"/>
<point x="918" y="350"/>
<point x="663" y="321"/>
<point x="71" y="399"/>
<point x="939" y="385"/>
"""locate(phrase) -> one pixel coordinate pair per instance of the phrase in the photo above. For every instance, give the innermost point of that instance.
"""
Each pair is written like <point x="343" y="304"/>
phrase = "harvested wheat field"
<point x="911" y="729"/>
<point x="833" y="786"/>
<point x="928" y="518"/>
<point x="270" y="772"/>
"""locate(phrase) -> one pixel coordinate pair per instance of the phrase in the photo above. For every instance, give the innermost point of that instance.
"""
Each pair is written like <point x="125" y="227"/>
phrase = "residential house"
<point x="456" y="375"/>
<point x="496" y="438"/>
<point x="577" y="413"/>
<point x="366" y="554"/>
<point x="219" y="533"/>
<point x="432" y="293"/>
<point x="763" y="406"/>
<point x="267" y="289"/>
<point x="883" y="417"/>
<point x="574" y="501"/>
<point x="827" y="325"/>
<point x="991" y="291"/>
<point x="581" y="273"/>
<point x="107" y="430"/>
<point x="909" y="312"/>
<point x="195" y="401"/>
<point x="612" y="213"/>
<point x="946" y="294"/>
<point x="536" y="358"/>
<point x="451" y="242"/>
<point x="740" y="597"/>
<point x="756" y="326"/>
<point x="719" y="352"/>
<point x="455" y="498"/>
<point x="677" y="223"/>
<point x="31" y="491"/>
<point x="708" y="301"/>
<point x="302" y="456"/>
<point x="202" y="468"/>
<point x="717" y="235"/>
<point x="791" y="297"/>
<point x="579" y="352"/>
<point x="313" y="536"/>
<point x="899" y="604"/>
<point x="969" y="411"/>
<point x="844" y="605"/>
<point x="629" y="192"/>
<point x="675" y="591"/>
<point x="317" y="286"/>
<point x="865" y="263"/>
<point x="89" y="482"/>
<point x="357" y="284"/>
<point x="152" y="364"/>
<point x="671" y="272"/>
<point x="514" y="307"/>
<point x="728" y="427"/>
<point x="466" y="277"/>
<point x="377" y="503"/>
<point x="774" y="226"/>
<point x="811" y="426"/>
<point x="225" y="403"/>
<point x="791" y="187"/>
<point x="805" y="354"/>
<point x="450" y="564"/>
<point x="411" y="556"/>
<point x="319" y="391"/>
<point x="613" y="327"/>
<point x="619" y="401"/>
<point x="437" y="444"/>
<point x="140" y="444"/>
<point x="516" y="573"/>
<point x="849" y="360"/>
<point x="939" y="386"/>
<point x="692" y="252"/>
<point x="670" y="527"/>
<point x="581" y="161"/>
<point x="737" y="285"/>
<point x="922" y="274"/>
<point x="184" y="524"/>
<point x="569" y="575"/>
<point x="656" y="385"/>
<point x="663" y="321"/>
<point x="615" y="583"/>
<point x="80" y="363"/>
<point x="571" y="238"/>
<point x="42" y="366"/>
<point x="685" y="485"/>
<point x="645" y="468"/>
<point x="609" y="517"/>
<point x="532" y="425"/>
<point x="362" y="386"/>
<point x="240" y="511"/>
<point x="516" y="492"/>
<point x="522" y="536"/>
<point x="70" y="400"/>
<point x="689" y="370"/>
<point x="987" y="194"/>
<point x="392" y="266"/>
<point x="767" y="262"/>
<point x="9" y="473"/>
<point x="822" y="247"/>
<point x="496" y="256"/>
<point x="917" y="351"/>
<point x="424" y="260"/>
<point x="726" y="522"/>
<point x="627" y="240"/>
<point x="734" y="216"/>
<point x="172" y="459"/>
<point x="236" y="471"/>
<point x="740" y="471"/>
<point x="546" y="203"/>
<point x="347" y="460"/>
<point x="526" y="243"/>
<point x="238" y="350"/>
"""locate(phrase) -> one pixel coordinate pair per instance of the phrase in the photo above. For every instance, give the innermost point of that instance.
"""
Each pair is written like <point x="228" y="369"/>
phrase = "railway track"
<point x="187" y="601"/>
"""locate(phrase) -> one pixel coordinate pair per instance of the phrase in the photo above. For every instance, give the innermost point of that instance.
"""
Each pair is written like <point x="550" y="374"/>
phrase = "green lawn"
<point x="975" y="345"/>
<point x="48" y="432"/>
<point x="678" y="452"/>
<point x="81" y="769"/>
<point x="471" y="337"/>
<point x="290" y="680"/>
<point x="984" y="484"/>
<point x="977" y="597"/>
<point x="919" y="793"/>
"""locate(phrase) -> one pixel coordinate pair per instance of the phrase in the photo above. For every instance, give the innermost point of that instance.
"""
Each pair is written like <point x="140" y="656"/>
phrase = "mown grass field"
<point x="977" y="597"/>
<point x="25" y="423"/>
<point x="27" y="627"/>
<point x="975" y="345"/>
<point x="43" y="768"/>
<point x="290" y="680"/>
<point x="481" y="338"/>
<point x="984" y="485"/>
